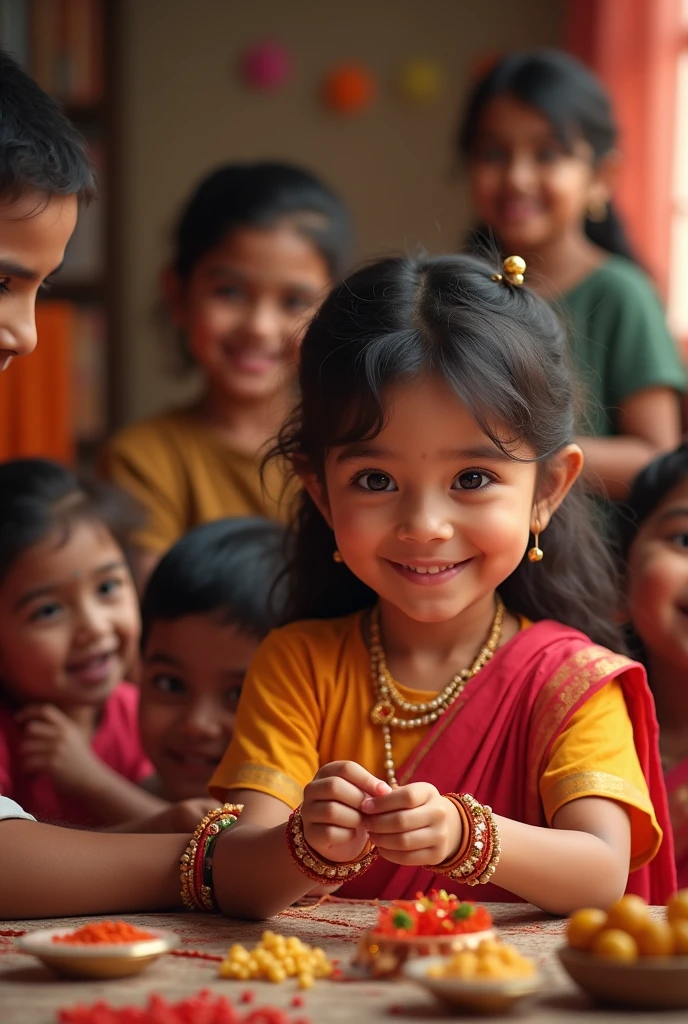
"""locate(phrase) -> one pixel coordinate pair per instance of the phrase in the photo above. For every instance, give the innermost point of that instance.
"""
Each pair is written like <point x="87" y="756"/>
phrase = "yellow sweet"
<point x="491" y="961"/>
<point x="630" y="914"/>
<point x="680" y="933"/>
<point x="584" y="926"/>
<point x="677" y="907"/>
<point x="615" y="944"/>
<point x="656" y="939"/>
<point x="276" y="958"/>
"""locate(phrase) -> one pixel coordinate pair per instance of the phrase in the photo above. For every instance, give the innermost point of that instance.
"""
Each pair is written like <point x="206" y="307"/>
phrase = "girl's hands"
<point x="54" y="744"/>
<point x="331" y="809"/>
<point x="412" y="824"/>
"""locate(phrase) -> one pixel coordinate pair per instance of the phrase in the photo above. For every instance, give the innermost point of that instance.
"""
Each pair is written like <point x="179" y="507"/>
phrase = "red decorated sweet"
<point x="435" y="925"/>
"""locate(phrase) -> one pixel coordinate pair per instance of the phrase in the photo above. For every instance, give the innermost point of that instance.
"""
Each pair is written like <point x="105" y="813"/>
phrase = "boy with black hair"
<point x="45" y="173"/>
<point x="210" y="601"/>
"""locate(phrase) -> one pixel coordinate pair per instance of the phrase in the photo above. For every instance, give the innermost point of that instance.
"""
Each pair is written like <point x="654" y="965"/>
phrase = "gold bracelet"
<point x="195" y="866"/>
<point x="317" y="868"/>
<point x="476" y="860"/>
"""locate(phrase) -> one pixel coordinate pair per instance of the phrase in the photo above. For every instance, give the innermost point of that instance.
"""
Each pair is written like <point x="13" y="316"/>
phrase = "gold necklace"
<point x="388" y="699"/>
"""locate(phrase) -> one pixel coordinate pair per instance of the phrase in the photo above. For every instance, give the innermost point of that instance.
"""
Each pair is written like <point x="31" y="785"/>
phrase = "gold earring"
<point x="336" y="557"/>
<point x="536" y="554"/>
<point x="597" y="211"/>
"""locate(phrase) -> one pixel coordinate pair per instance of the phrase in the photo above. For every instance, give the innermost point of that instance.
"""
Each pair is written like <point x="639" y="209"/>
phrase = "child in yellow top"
<point x="434" y="435"/>
<point x="255" y="249"/>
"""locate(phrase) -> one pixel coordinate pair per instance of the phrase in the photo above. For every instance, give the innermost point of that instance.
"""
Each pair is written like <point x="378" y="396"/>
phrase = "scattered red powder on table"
<point x="203" y="1008"/>
<point x="104" y="933"/>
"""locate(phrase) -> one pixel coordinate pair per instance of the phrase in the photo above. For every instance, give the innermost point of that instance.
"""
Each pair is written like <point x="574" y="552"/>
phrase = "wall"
<point x="184" y="111"/>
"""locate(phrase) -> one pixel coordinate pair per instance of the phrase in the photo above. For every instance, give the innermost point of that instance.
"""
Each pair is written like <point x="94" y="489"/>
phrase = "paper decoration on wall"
<point x="483" y="63"/>
<point x="267" y="66"/>
<point x="421" y="81"/>
<point x="349" y="89"/>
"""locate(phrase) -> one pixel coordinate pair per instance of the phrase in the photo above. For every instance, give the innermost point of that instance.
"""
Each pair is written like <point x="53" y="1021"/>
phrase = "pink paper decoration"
<point x="266" y="66"/>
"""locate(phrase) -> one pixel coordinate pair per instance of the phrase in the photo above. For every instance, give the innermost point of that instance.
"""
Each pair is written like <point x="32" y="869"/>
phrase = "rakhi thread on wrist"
<point x="196" y="867"/>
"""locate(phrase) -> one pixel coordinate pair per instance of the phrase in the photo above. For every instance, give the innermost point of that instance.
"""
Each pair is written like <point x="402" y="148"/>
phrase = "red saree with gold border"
<point x="494" y="742"/>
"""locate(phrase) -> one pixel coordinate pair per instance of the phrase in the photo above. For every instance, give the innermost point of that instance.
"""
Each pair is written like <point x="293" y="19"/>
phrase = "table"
<point x="29" y="994"/>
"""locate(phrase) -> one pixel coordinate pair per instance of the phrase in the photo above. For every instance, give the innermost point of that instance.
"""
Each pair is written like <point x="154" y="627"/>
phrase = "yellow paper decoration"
<point x="421" y="81"/>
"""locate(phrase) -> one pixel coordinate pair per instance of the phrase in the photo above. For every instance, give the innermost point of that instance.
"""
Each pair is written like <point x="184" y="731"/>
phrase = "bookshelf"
<point x="70" y="47"/>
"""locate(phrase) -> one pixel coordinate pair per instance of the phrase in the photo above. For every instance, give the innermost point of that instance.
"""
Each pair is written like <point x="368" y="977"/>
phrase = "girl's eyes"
<point x="4" y="285"/>
<point x="679" y="540"/>
<point x="296" y="303"/>
<point x="45" y="611"/>
<point x="169" y="684"/>
<point x="471" y="480"/>
<point x="106" y="588"/>
<point x="232" y="698"/>
<point x="371" y="480"/>
<point x="229" y="292"/>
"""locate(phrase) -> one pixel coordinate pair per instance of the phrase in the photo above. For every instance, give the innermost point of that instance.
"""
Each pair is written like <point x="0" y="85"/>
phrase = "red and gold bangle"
<point x="467" y="837"/>
<point x="478" y="856"/>
<point x="317" y="868"/>
<point x="195" y="867"/>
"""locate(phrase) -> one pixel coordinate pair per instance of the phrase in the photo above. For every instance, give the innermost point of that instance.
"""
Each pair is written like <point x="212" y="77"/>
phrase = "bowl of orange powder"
<point x="100" y="949"/>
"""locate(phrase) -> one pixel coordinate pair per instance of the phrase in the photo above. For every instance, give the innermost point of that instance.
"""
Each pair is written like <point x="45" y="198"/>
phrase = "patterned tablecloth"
<point x="30" y="994"/>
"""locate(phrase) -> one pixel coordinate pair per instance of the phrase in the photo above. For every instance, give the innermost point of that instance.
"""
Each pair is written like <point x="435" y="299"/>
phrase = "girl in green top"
<point x="539" y="139"/>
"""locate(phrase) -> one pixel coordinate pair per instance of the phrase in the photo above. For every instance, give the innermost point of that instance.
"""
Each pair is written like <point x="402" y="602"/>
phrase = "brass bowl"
<point x="476" y="996"/>
<point x="650" y="982"/>
<point x="118" y="960"/>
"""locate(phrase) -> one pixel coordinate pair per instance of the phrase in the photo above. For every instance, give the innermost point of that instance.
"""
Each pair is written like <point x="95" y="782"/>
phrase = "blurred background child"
<point x="656" y="601"/>
<point x="539" y="138"/>
<point x="211" y="600"/>
<point x="69" y="630"/>
<point x="254" y="252"/>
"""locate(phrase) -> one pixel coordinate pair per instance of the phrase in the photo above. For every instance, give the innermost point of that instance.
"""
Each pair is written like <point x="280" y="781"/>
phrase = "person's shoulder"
<point x="623" y="279"/>
<point x="314" y="636"/>
<point x="156" y="432"/>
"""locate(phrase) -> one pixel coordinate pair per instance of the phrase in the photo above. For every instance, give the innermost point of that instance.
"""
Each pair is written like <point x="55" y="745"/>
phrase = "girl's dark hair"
<point x="39" y="497"/>
<point x="231" y="566"/>
<point x="649" y="489"/>
<point x="40" y="149"/>
<point x="575" y="103"/>
<point x="503" y="353"/>
<point x="261" y="195"/>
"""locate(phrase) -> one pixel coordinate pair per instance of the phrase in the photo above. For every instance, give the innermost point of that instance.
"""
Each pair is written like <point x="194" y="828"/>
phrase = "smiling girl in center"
<point x="445" y="701"/>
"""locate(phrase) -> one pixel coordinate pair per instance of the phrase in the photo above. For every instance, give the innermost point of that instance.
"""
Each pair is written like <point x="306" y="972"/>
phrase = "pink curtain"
<point x="633" y="46"/>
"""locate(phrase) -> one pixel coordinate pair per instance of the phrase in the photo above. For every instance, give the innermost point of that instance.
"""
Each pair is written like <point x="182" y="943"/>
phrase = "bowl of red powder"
<point x="435" y="925"/>
<point x="99" y="949"/>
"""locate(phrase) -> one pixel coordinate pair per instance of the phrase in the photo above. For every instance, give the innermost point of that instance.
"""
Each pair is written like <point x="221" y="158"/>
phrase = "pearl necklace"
<point x="388" y="699"/>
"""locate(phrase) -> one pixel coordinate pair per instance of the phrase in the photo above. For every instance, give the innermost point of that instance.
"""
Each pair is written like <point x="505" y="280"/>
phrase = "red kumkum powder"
<point x="104" y="933"/>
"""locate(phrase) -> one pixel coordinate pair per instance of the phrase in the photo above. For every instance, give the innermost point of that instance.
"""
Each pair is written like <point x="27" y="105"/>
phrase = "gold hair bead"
<point x="514" y="269"/>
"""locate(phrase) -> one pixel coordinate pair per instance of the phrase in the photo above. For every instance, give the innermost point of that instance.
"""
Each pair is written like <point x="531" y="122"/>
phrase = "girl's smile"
<point x="429" y="574"/>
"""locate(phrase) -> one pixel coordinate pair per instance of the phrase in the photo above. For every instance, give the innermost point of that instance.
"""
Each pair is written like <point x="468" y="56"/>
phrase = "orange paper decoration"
<point x="349" y="89"/>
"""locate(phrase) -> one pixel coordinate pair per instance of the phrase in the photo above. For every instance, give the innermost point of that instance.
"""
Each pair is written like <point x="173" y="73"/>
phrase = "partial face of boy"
<point x="34" y="231"/>
<point x="193" y="671"/>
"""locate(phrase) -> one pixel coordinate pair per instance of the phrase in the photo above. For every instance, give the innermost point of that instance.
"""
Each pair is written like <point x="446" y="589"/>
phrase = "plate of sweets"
<point x="490" y="978"/>
<point x="631" y="955"/>
<point x="101" y="949"/>
<point x="435" y="925"/>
